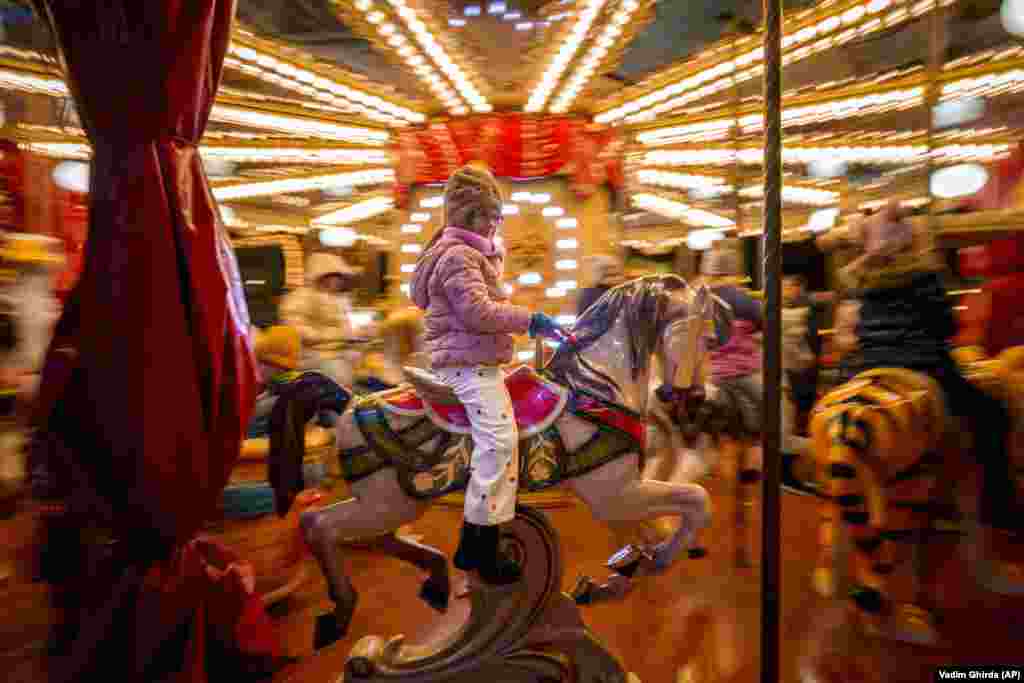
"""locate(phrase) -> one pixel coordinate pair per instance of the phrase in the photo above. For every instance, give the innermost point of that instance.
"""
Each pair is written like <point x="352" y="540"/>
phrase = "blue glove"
<point x="544" y="325"/>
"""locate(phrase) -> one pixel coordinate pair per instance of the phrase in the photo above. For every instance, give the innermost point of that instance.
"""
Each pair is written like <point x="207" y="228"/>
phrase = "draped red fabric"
<point x="162" y="380"/>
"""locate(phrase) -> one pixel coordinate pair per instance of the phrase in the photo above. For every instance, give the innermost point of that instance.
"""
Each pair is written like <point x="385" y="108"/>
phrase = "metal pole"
<point x="770" y="431"/>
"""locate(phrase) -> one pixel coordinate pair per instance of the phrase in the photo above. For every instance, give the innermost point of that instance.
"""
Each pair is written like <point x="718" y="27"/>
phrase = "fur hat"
<point x="279" y="346"/>
<point x="470" y="190"/>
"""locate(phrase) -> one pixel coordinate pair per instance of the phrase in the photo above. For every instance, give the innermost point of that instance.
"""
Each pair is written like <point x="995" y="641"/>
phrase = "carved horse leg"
<point x="616" y="493"/>
<point x="378" y="507"/>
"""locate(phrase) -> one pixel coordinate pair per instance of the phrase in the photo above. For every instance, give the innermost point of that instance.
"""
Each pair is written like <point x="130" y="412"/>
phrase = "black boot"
<point x="478" y="551"/>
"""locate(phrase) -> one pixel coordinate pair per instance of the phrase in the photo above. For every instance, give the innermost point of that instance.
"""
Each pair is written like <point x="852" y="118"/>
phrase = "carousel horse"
<point x="581" y="423"/>
<point x="890" y="456"/>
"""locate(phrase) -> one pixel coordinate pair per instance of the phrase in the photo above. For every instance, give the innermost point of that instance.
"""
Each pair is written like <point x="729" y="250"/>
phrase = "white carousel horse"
<point x="581" y="422"/>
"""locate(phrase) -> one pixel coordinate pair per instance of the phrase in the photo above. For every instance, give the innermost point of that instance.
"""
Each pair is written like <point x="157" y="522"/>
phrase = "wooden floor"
<point x="699" y="622"/>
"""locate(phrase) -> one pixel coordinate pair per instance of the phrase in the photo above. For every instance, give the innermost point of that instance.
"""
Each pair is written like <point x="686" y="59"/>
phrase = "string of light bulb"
<point x="236" y="113"/>
<point x="595" y="55"/>
<point x="360" y="211"/>
<point x="882" y="155"/>
<point x="386" y="16"/>
<point x="306" y="184"/>
<point x="341" y="156"/>
<point x="680" y="211"/>
<point x="713" y="70"/>
<point x="565" y="54"/>
<point x="245" y="55"/>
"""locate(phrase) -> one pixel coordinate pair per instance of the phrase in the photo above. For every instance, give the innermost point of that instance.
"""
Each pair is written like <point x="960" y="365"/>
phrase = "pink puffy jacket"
<point x="468" y="318"/>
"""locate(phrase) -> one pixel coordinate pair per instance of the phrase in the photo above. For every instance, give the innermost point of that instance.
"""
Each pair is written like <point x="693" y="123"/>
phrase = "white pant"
<point x="494" y="466"/>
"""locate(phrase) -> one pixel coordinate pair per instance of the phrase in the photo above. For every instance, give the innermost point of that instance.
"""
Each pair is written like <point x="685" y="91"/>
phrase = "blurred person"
<point x="469" y="333"/>
<point x="906" y="320"/>
<point x="320" y="311"/>
<point x="279" y="352"/>
<point x="607" y="273"/>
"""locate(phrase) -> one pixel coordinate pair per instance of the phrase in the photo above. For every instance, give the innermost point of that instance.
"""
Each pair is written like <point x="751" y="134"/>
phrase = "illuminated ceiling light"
<point x="525" y="356"/>
<point x="552" y="211"/>
<point x="823" y="220"/>
<point x="826" y="168"/>
<point x="524" y="26"/>
<point x="375" y="17"/>
<point x="472" y="10"/>
<point x="561" y="60"/>
<point x="704" y="79"/>
<point x="337" y="237"/>
<point x="565" y="264"/>
<point x="509" y="209"/>
<point x="521" y="196"/>
<point x="412" y="229"/>
<point x="567" y="244"/>
<point x="962" y="180"/>
<point x="566" y="320"/>
<point x="363" y="5"/>
<point x="408" y="267"/>
<point x="958" y="112"/>
<point x="564" y="223"/>
<point x="700" y="240"/>
<point x="539" y="198"/>
<point x="513" y="16"/>
<point x="567" y="285"/>
<point x="405" y="289"/>
<point x="420" y="217"/>
<point x="456" y="23"/>
<point x="411" y="248"/>
<point x="1012" y="15"/>
<point x="530" y="279"/>
<point x="432" y="202"/>
<point x="72" y="176"/>
<point x="356" y="212"/>
<point x="497" y="8"/>
<point x="554" y="293"/>
<point x="294" y="125"/>
<point x="679" y="210"/>
<point x="307" y="184"/>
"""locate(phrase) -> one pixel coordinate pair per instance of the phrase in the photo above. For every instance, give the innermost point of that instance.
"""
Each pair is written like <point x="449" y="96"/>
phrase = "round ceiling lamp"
<point x="826" y="168"/>
<point x="701" y="240"/>
<point x="961" y="180"/>
<point x="72" y="176"/>
<point x="823" y="219"/>
<point x="337" y="237"/>
<point x="958" y="112"/>
<point x="1012" y="16"/>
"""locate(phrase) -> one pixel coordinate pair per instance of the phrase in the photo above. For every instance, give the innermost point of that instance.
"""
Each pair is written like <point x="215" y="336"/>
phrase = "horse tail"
<point x="296" y="405"/>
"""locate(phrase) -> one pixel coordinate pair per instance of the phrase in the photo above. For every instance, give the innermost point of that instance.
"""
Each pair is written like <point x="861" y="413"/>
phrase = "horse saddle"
<point x="537" y="401"/>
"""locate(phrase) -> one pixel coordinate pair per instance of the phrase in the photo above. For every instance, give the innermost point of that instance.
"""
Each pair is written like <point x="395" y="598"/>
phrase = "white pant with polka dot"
<point x="493" y="482"/>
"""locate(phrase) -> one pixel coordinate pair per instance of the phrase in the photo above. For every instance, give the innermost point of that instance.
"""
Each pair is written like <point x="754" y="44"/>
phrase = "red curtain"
<point x="154" y="403"/>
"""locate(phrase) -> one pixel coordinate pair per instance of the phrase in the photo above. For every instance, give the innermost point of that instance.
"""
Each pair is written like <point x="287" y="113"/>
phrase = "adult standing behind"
<point x="320" y="312"/>
<point x="607" y="271"/>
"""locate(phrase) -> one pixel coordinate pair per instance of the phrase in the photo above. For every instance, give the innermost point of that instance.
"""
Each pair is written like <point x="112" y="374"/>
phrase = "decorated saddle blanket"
<point x="428" y="441"/>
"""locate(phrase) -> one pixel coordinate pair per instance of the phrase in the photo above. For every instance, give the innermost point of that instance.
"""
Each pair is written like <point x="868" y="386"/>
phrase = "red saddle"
<point x="537" y="403"/>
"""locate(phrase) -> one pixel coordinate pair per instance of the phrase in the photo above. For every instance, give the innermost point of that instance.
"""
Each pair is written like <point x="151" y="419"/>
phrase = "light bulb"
<point x="530" y="279"/>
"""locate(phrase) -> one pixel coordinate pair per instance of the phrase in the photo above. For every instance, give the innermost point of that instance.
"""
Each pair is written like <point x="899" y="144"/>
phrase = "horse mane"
<point x="641" y="301"/>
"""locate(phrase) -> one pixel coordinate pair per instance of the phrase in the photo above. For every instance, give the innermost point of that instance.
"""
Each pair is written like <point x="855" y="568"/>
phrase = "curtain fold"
<point x="156" y="400"/>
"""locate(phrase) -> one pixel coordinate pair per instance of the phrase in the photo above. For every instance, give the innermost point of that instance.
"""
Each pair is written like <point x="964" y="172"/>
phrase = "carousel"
<point x="225" y="450"/>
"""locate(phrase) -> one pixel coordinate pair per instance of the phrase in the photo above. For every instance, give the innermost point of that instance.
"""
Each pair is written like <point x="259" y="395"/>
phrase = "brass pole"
<point x="771" y="415"/>
<point x="937" y="39"/>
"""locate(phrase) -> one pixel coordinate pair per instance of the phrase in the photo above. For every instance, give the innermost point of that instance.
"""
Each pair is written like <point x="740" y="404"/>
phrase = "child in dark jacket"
<point x="906" y="320"/>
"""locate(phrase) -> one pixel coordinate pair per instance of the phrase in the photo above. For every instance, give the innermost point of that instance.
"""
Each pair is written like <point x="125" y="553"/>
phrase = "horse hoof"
<point x="361" y="667"/>
<point x="435" y="594"/>
<point x="583" y="592"/>
<point x="328" y="631"/>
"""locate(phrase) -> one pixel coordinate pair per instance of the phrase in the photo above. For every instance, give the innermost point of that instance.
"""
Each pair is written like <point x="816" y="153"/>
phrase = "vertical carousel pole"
<point x="771" y="428"/>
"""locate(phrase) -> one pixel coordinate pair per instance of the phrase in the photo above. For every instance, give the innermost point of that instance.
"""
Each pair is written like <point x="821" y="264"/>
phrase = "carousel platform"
<point x="699" y="622"/>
